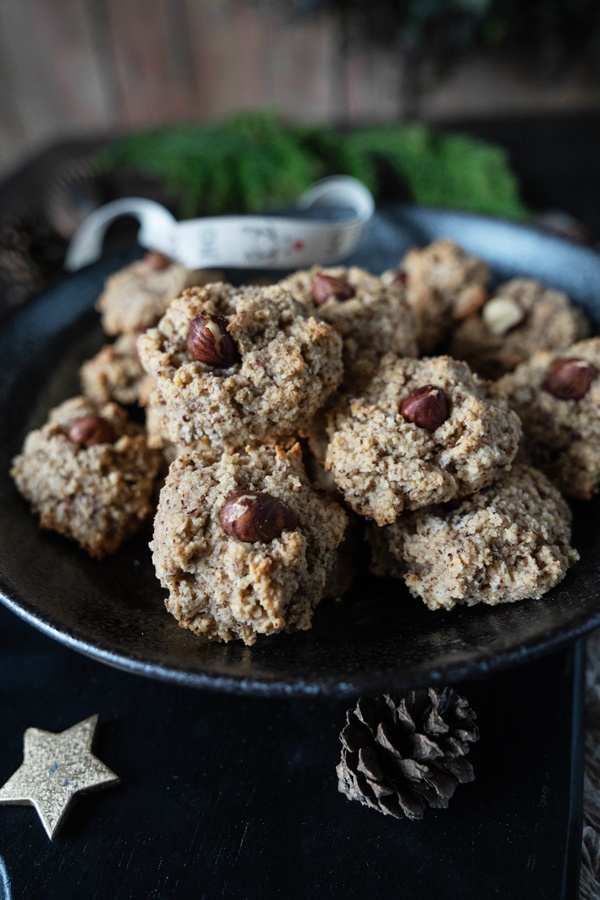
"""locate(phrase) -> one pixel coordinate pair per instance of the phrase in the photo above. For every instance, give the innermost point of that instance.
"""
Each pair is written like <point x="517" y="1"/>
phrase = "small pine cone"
<point x="402" y="754"/>
<point x="75" y="191"/>
<point x="30" y="254"/>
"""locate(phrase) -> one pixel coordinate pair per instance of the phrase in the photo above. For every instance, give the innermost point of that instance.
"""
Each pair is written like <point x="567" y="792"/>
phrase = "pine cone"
<point x="402" y="754"/>
<point x="31" y="255"/>
<point x="75" y="191"/>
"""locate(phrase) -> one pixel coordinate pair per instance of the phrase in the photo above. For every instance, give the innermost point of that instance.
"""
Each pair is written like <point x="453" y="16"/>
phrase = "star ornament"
<point x="55" y="769"/>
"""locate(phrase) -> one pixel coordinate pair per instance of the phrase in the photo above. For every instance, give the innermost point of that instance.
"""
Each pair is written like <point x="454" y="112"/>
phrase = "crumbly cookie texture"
<point x="138" y="295"/>
<point x="375" y="320"/>
<point x="289" y="364"/>
<point x="116" y="373"/>
<point x="384" y="463"/>
<point x="508" y="542"/>
<point x="223" y="588"/>
<point x="157" y="434"/>
<point x="443" y="285"/>
<point x="561" y="436"/>
<point x="521" y="317"/>
<point x="97" y="495"/>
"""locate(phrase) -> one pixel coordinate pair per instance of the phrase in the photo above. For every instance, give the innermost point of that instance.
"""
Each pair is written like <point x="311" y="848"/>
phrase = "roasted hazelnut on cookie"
<point x="210" y="342"/>
<point x="88" y="474"/>
<point x="557" y="397"/>
<point x="372" y="317"/>
<point x="245" y="546"/>
<point x="239" y="365"/>
<point x="425" y="431"/>
<point x="427" y="407"/>
<point x="253" y="516"/>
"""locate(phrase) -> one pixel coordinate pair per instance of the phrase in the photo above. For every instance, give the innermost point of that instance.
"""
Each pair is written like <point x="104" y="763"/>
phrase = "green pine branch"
<point x="253" y="162"/>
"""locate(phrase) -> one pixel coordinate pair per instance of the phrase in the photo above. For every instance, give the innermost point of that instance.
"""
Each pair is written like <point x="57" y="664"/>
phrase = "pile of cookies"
<point x="281" y="418"/>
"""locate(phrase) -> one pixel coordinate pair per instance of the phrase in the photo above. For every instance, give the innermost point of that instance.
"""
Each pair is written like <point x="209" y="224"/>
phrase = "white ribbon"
<point x="265" y="242"/>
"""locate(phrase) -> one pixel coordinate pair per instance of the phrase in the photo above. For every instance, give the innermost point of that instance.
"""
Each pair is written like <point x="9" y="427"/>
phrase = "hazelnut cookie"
<point x="239" y="365"/>
<point x="508" y="542"/>
<point x="424" y="432"/>
<point x="138" y="295"/>
<point x="557" y="397"/>
<point x="88" y="474"/>
<point x="443" y="285"/>
<point x="521" y="317"/>
<point x="116" y="373"/>
<point x="372" y="318"/>
<point x="245" y="546"/>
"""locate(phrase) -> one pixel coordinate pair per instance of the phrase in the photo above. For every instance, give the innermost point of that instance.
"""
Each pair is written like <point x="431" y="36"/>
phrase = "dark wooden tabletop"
<point x="236" y="797"/>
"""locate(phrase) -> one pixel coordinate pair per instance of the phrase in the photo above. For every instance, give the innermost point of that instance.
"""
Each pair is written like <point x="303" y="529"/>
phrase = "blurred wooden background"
<point x="73" y="67"/>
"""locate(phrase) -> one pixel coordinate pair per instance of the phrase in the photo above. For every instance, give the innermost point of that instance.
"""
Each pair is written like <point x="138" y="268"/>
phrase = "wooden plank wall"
<point x="72" y="67"/>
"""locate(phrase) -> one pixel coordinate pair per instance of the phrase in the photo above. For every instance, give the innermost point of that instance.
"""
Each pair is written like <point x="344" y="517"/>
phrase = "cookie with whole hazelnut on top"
<point x="245" y="546"/>
<point x="373" y="318"/>
<point x="236" y="366"/>
<point x="425" y="431"/>
<point x="135" y="298"/>
<point x="521" y="317"/>
<point x="557" y="397"/>
<point x="88" y="474"/>
<point x="443" y="284"/>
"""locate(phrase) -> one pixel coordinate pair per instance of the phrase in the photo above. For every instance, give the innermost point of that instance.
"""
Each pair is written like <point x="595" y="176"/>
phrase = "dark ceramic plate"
<point x="378" y="638"/>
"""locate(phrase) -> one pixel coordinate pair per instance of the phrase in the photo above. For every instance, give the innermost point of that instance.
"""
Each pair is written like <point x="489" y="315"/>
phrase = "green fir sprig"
<point x="253" y="162"/>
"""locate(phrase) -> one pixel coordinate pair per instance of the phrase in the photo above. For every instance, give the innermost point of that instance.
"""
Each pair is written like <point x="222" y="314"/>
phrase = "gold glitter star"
<point x="55" y="768"/>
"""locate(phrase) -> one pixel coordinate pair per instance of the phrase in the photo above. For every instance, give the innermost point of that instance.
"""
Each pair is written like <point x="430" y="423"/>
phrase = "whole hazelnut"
<point x="210" y="342"/>
<point x="426" y="407"/>
<point x="326" y="286"/>
<point x="252" y="516"/>
<point x="86" y="431"/>
<point x="157" y="262"/>
<point x="400" y="278"/>
<point x="570" y="379"/>
<point x="501" y="315"/>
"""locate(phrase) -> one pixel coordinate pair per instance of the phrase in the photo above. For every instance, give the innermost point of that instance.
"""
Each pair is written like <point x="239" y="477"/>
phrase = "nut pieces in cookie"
<point x="501" y="315"/>
<point x="443" y="285"/>
<point x="522" y="317"/>
<point x="115" y="373"/>
<point x="138" y="295"/>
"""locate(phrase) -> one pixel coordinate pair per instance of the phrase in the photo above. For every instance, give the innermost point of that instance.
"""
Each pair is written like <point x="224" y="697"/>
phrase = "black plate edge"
<point x="457" y="672"/>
